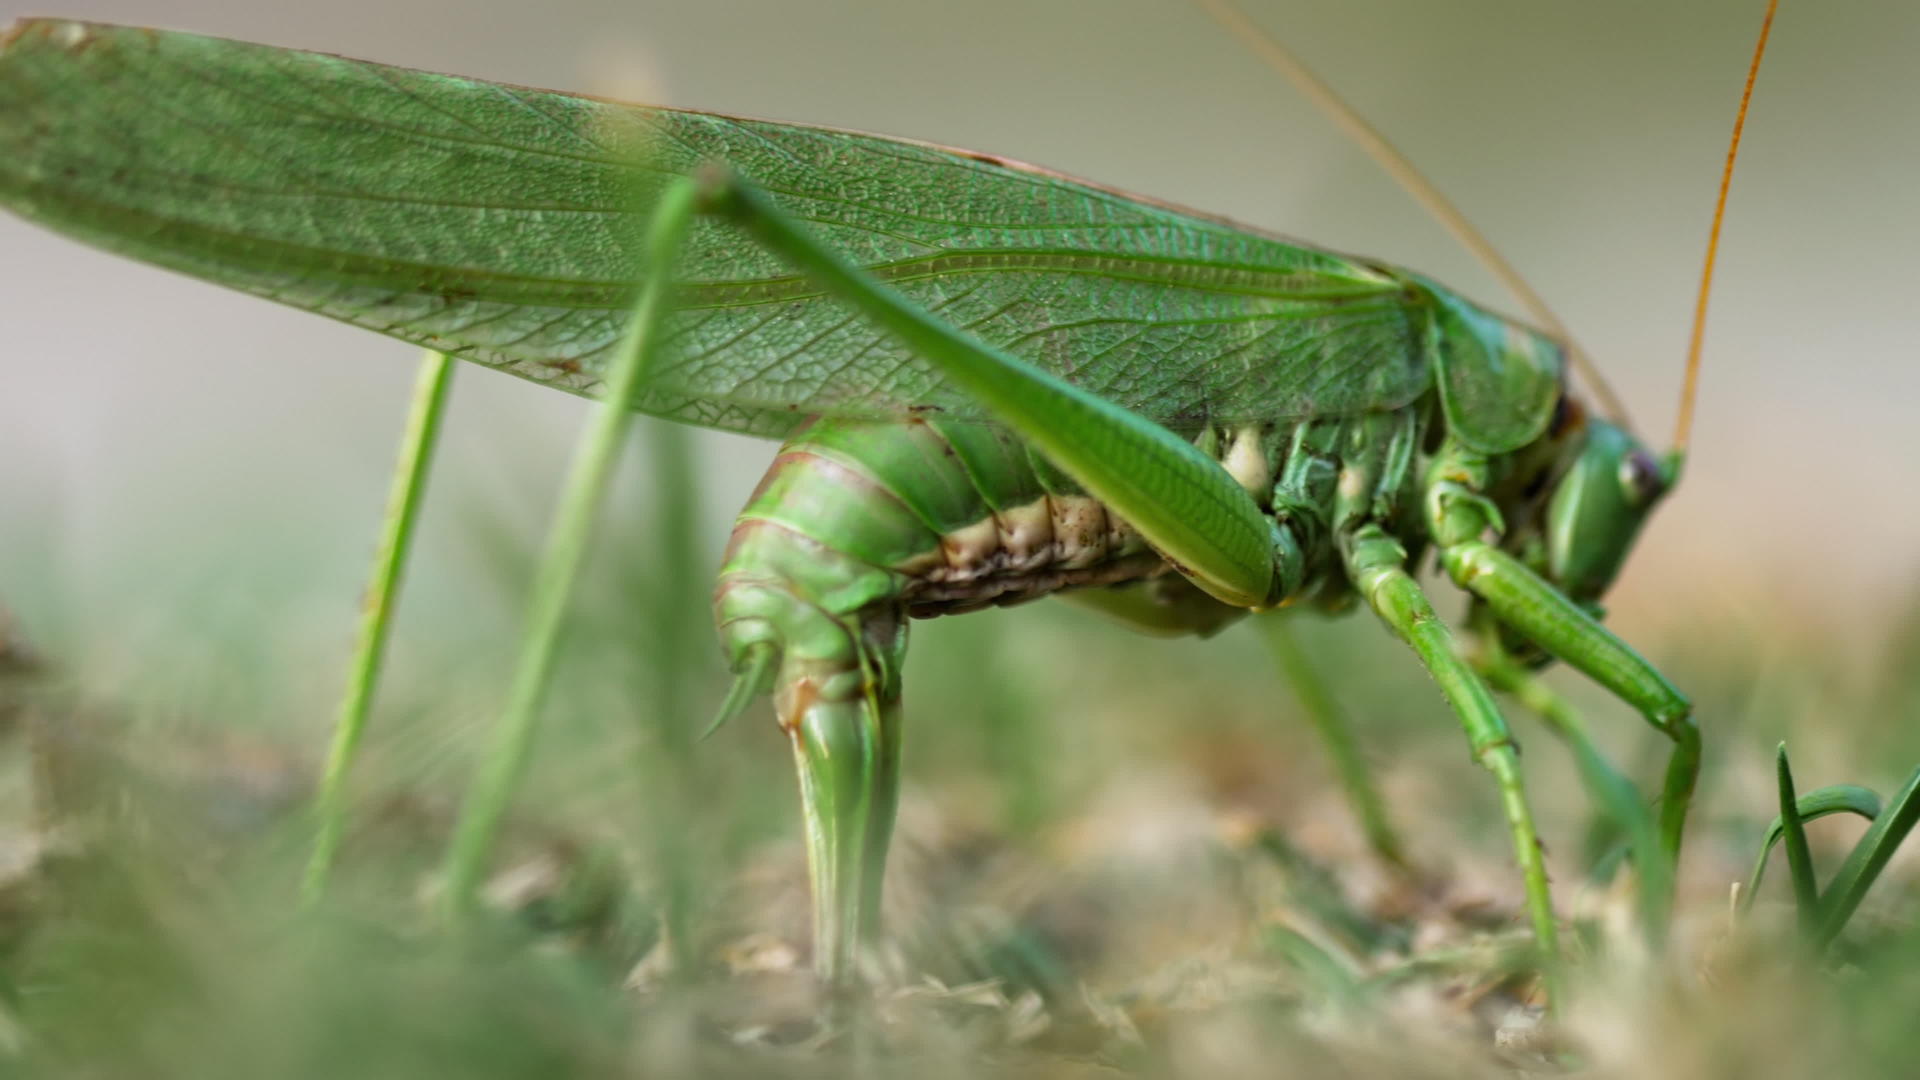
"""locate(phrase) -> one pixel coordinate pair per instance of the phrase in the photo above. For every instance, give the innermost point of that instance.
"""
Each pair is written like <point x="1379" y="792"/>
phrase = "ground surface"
<point x="1128" y="862"/>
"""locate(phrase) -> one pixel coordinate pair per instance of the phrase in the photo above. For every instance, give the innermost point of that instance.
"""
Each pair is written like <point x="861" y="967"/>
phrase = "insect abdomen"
<point x="937" y="516"/>
<point x="857" y="525"/>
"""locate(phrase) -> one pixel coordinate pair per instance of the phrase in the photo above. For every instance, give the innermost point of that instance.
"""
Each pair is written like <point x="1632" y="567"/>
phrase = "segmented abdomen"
<point x="858" y="524"/>
<point x="935" y="515"/>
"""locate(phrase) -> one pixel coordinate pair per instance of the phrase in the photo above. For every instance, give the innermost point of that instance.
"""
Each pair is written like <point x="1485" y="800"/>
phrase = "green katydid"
<point x="993" y="382"/>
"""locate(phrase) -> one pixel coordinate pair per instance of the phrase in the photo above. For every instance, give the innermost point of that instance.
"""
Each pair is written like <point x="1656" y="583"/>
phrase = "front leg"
<point x="1459" y="521"/>
<point x="1605" y="784"/>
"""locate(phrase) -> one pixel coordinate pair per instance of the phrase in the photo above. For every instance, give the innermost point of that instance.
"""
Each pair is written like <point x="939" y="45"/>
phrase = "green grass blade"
<point x="487" y="801"/>
<point x="1621" y="801"/>
<point x="1837" y="799"/>
<point x="1867" y="859"/>
<point x="1317" y="893"/>
<point x="680" y="651"/>
<point x="376" y="618"/>
<point x="1806" y="892"/>
<point x="1336" y="733"/>
<point x="1314" y="962"/>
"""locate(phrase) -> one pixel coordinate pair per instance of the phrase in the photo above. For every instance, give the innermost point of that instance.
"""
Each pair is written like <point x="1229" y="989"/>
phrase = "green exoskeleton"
<point x="991" y="382"/>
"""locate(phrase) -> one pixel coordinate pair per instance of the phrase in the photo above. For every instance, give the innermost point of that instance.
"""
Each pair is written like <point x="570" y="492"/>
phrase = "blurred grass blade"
<point x="1806" y="892"/>
<point x="409" y="490"/>
<point x="1867" y="859"/>
<point x="486" y="803"/>
<point x="1331" y="976"/>
<point x="1838" y="799"/>
<point x="1336" y="734"/>
<point x="1317" y="895"/>
<point x="1621" y="801"/>
<point x="677" y="644"/>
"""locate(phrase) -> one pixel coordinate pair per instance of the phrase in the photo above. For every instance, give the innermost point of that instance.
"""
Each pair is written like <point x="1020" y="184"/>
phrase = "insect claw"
<point x="749" y="683"/>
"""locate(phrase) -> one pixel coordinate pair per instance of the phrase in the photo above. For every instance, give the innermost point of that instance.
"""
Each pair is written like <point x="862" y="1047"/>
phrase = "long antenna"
<point x="1683" y="424"/>
<point x="1396" y="165"/>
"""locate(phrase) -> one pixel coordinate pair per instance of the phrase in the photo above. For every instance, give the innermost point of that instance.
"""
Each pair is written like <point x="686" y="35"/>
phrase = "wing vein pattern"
<point x="499" y="223"/>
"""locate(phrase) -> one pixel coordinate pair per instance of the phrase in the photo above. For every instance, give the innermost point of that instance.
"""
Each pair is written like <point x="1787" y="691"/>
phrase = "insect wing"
<point x="498" y="223"/>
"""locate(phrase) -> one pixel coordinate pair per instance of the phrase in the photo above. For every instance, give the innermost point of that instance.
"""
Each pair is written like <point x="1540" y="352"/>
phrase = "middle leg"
<point x="1377" y="565"/>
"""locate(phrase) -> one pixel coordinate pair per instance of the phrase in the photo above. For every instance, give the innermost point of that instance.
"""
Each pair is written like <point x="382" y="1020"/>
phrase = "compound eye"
<point x="1640" y="474"/>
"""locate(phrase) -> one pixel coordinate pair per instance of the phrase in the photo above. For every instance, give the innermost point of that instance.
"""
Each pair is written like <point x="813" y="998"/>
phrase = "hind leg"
<point x="845" y="731"/>
<point x="835" y="682"/>
<point x="1459" y="522"/>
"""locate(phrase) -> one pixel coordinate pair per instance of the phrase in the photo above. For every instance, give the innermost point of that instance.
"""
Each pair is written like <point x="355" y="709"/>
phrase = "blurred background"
<point x="191" y="481"/>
